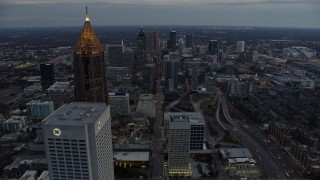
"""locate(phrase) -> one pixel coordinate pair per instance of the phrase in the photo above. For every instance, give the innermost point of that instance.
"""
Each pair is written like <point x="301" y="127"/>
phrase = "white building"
<point x="240" y="46"/>
<point x="78" y="142"/>
<point x="146" y="104"/>
<point x="119" y="103"/>
<point x="14" y="123"/>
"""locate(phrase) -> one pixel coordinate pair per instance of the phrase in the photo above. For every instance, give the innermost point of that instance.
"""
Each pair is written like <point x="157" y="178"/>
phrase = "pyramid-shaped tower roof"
<point x="88" y="40"/>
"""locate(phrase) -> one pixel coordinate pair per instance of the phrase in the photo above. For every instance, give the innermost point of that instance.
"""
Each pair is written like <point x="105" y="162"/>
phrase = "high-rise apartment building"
<point x="47" y="75"/>
<point x="240" y="46"/>
<point x="89" y="67"/>
<point x="78" y="142"/>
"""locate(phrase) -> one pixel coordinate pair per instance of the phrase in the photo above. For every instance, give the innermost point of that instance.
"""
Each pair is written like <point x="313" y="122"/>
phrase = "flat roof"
<point x="131" y="156"/>
<point x="235" y="153"/>
<point x="77" y="113"/>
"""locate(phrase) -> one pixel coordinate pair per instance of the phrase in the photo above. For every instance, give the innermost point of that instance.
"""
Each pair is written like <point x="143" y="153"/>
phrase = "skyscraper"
<point x="115" y="53"/>
<point x="173" y="40"/>
<point x="141" y="53"/>
<point x="152" y="42"/>
<point x="89" y="67"/>
<point x="78" y="142"/>
<point x="47" y="75"/>
<point x="220" y="55"/>
<point x="149" y="78"/>
<point x="179" y="146"/>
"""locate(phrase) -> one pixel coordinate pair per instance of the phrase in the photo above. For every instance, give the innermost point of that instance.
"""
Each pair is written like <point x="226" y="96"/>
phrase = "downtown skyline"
<point x="265" y="13"/>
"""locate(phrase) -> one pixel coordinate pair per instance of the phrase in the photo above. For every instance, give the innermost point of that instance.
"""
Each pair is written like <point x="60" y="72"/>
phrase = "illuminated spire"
<point x="87" y="16"/>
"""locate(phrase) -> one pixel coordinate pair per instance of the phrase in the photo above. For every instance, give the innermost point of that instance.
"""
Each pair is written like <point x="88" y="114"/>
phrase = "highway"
<point x="272" y="167"/>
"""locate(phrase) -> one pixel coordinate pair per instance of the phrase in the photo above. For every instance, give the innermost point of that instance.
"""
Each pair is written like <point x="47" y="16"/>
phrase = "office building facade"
<point x="240" y="46"/>
<point x="78" y="142"/>
<point x="37" y="109"/>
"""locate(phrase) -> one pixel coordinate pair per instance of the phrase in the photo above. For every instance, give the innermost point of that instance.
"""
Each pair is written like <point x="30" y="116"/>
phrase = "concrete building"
<point x="146" y="105"/>
<point x="78" y="142"/>
<point x="240" y="46"/>
<point x="14" y="123"/>
<point x="37" y="109"/>
<point x="152" y="42"/>
<point x="119" y="103"/>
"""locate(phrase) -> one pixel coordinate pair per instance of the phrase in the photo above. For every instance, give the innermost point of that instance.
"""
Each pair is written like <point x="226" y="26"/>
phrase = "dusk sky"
<point x="270" y="13"/>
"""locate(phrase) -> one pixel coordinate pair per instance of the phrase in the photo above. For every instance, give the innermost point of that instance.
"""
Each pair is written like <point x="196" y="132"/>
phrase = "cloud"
<point x="155" y="2"/>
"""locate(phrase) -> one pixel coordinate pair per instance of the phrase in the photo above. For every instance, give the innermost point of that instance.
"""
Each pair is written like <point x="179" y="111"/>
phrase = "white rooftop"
<point x="131" y="156"/>
<point x="77" y="113"/>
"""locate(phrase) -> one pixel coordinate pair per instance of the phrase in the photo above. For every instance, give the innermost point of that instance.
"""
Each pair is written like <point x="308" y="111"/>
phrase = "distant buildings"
<point x="239" y="46"/>
<point x="78" y="142"/>
<point x="38" y="110"/>
<point x="119" y="103"/>
<point x="47" y="75"/>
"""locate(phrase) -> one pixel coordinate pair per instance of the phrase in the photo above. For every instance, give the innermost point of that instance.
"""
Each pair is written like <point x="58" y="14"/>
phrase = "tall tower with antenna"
<point x="89" y="67"/>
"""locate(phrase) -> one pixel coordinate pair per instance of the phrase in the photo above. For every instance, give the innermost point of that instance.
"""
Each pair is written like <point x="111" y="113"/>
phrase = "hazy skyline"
<point x="269" y="13"/>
